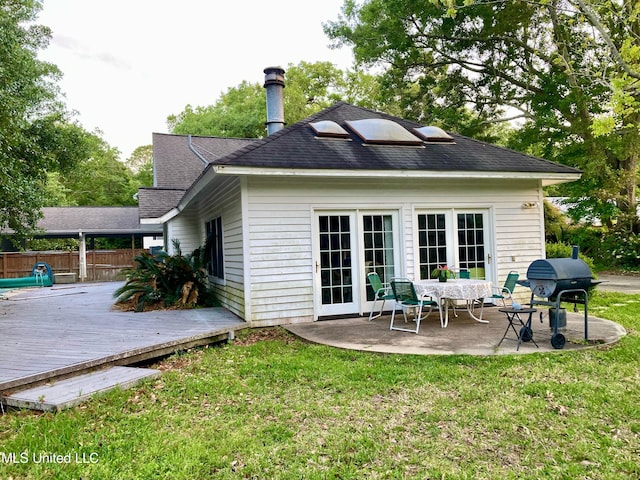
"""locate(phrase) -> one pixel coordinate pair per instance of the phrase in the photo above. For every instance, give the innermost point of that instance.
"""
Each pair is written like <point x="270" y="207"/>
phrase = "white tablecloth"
<point x="458" y="289"/>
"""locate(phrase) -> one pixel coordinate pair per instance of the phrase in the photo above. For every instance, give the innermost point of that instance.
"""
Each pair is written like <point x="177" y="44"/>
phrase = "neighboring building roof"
<point x="176" y="165"/>
<point x="101" y="221"/>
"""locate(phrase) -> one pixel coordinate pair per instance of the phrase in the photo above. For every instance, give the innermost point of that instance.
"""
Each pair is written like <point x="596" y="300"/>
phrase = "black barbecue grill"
<point x="557" y="280"/>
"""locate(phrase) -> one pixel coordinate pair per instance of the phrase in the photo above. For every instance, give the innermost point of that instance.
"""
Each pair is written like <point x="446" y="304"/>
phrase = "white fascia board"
<point x="160" y="220"/>
<point x="170" y="214"/>
<point x="193" y="191"/>
<point x="547" y="178"/>
<point x="196" y="188"/>
<point x="150" y="221"/>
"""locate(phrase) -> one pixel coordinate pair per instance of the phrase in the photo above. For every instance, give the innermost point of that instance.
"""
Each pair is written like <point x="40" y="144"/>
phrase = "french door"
<point x="335" y="264"/>
<point x="457" y="238"/>
<point x="349" y="245"/>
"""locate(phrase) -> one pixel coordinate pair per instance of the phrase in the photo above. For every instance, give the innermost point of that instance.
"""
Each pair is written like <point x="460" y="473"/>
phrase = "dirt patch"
<point x="266" y="334"/>
<point x="129" y="306"/>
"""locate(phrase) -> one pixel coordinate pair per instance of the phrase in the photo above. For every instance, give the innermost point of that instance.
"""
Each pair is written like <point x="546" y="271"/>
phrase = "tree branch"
<point x="587" y="12"/>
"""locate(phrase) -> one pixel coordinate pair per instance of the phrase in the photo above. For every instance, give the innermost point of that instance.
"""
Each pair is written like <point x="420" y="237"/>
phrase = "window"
<point x="471" y="244"/>
<point x="432" y="240"/>
<point x="335" y="259"/>
<point x="457" y="239"/>
<point x="378" y="248"/>
<point x="214" y="245"/>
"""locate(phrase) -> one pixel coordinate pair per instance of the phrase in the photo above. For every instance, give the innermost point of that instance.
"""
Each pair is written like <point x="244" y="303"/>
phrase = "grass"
<point x="270" y="406"/>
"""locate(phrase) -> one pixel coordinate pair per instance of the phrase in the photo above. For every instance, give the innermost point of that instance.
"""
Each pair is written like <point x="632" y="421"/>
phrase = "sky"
<point x="129" y="64"/>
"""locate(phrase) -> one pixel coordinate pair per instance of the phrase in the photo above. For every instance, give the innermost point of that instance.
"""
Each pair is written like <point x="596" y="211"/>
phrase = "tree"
<point x="100" y="179"/>
<point x="240" y="112"/>
<point x="141" y="166"/>
<point x="36" y="135"/>
<point x="310" y="87"/>
<point x="565" y="69"/>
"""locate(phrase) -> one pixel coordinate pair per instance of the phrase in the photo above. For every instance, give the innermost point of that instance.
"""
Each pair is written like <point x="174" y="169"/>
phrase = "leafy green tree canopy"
<point x="140" y="164"/>
<point x="310" y="87"/>
<point x="36" y="135"/>
<point x="568" y="70"/>
<point x="99" y="179"/>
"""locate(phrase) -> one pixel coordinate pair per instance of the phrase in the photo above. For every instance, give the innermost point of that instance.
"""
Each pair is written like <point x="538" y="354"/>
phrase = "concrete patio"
<point x="463" y="335"/>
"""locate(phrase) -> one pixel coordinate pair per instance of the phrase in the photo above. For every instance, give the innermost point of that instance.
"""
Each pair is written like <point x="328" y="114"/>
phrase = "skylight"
<point x="329" y="128"/>
<point x="382" y="132"/>
<point x="433" y="134"/>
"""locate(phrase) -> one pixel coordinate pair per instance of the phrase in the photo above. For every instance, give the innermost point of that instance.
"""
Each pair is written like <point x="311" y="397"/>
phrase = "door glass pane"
<point x="471" y="243"/>
<point x="378" y="248"/>
<point x="335" y="259"/>
<point x="432" y="242"/>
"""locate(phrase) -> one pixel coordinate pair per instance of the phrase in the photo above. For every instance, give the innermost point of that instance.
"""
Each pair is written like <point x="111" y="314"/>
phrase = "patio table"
<point x="469" y="290"/>
<point x="524" y="334"/>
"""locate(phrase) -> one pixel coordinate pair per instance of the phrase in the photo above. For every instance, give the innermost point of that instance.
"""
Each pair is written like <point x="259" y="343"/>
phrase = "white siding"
<point x="222" y="200"/>
<point x="280" y="216"/>
<point x="184" y="228"/>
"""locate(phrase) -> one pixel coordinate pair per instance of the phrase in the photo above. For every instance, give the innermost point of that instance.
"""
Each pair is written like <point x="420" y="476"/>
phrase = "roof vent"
<point x="434" y="134"/>
<point x="274" y="84"/>
<point x="329" y="128"/>
<point x="381" y="131"/>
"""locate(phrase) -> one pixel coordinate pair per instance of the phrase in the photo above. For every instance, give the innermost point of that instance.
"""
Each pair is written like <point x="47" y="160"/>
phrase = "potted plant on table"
<point x="443" y="273"/>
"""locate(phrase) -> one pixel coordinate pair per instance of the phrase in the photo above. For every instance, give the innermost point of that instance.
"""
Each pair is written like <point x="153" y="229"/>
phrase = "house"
<point x="297" y="219"/>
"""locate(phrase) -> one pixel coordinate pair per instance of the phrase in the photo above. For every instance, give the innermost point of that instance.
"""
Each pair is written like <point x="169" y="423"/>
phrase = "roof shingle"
<point x="298" y="147"/>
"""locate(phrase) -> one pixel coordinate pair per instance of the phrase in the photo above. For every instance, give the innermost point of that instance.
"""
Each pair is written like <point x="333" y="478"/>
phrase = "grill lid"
<point x="559" y="269"/>
<point x="548" y="277"/>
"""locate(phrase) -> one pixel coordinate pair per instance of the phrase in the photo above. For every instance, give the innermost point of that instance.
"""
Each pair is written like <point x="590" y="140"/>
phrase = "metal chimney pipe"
<point x="274" y="83"/>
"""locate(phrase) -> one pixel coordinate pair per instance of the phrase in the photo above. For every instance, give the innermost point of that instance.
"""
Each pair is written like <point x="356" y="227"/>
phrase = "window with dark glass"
<point x="432" y="242"/>
<point x="215" y="266"/>
<point x="378" y="248"/>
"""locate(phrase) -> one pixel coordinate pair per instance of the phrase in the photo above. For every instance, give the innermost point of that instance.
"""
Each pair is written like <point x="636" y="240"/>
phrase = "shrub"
<point x="622" y="249"/>
<point x="564" y="250"/>
<point x="166" y="281"/>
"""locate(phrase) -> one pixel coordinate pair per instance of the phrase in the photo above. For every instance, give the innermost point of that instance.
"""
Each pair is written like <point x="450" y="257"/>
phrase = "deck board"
<point x="59" y="395"/>
<point x="56" y="331"/>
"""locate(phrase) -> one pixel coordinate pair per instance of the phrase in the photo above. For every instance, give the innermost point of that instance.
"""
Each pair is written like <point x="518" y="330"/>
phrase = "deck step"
<point x="72" y="391"/>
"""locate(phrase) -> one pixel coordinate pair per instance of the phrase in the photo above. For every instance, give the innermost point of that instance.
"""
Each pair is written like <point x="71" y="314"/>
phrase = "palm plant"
<point x="167" y="280"/>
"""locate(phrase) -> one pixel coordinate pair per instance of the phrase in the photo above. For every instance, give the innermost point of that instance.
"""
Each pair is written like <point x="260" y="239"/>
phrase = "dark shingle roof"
<point x="155" y="202"/>
<point x="181" y="160"/>
<point x="177" y="166"/>
<point x="94" y="220"/>
<point x="297" y="147"/>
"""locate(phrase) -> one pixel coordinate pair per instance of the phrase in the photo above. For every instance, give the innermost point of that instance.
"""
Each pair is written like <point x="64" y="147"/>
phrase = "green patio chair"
<point x="405" y="296"/>
<point x="380" y="292"/>
<point x="503" y="293"/>
<point x="477" y="273"/>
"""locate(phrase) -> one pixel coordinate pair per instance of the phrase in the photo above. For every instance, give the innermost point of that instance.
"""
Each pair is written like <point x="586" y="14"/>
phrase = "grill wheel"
<point x="558" y="341"/>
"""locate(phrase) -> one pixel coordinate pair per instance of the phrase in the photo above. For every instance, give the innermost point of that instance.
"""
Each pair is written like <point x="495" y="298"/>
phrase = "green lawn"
<point x="271" y="406"/>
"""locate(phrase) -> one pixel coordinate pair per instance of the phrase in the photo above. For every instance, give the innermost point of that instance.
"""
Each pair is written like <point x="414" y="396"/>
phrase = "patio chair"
<point x="477" y="273"/>
<point x="405" y="296"/>
<point x="503" y="293"/>
<point x="380" y="292"/>
<point x="463" y="274"/>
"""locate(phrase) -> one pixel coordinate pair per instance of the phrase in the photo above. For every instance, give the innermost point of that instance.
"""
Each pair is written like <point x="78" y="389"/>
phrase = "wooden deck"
<point x="72" y="391"/>
<point x="62" y="331"/>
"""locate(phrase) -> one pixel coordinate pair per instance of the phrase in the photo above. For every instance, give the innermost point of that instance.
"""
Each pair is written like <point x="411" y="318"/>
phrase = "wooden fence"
<point x="102" y="265"/>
